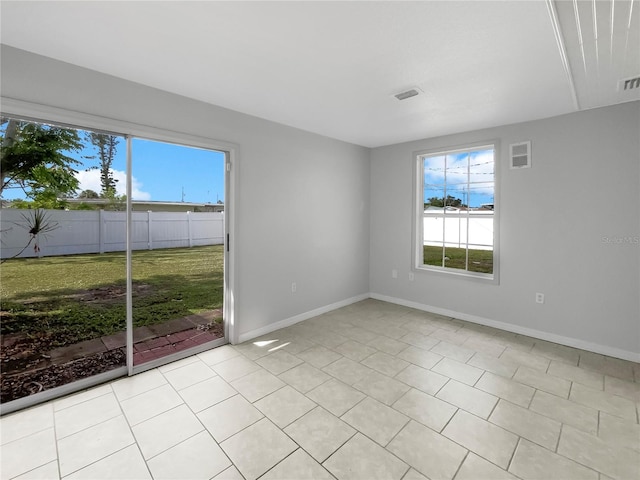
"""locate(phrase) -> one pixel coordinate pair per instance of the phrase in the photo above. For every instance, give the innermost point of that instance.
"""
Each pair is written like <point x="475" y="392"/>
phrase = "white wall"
<point x="302" y="200"/>
<point x="555" y="218"/>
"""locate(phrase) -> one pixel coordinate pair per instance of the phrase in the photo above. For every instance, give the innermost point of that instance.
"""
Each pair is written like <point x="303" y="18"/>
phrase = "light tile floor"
<point x="372" y="390"/>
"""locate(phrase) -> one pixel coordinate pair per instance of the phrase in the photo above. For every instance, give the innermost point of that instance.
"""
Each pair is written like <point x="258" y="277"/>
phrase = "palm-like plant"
<point x="37" y="223"/>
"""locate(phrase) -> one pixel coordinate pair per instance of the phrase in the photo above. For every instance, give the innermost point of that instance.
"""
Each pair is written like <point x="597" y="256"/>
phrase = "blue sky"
<point x="475" y="168"/>
<point x="161" y="172"/>
<point x="164" y="171"/>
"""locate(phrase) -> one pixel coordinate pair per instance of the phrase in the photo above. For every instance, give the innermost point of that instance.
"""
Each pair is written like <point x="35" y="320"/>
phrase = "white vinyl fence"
<point x="99" y="231"/>
<point x="456" y="229"/>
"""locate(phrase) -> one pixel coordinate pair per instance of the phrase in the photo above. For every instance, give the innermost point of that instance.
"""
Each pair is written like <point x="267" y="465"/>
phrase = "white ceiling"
<point x="333" y="67"/>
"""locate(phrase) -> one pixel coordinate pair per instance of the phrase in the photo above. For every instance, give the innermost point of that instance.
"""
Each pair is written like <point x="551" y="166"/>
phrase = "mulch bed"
<point x="25" y="370"/>
<point x="18" y="385"/>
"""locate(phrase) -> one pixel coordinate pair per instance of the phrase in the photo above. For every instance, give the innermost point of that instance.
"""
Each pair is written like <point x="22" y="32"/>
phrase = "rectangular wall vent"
<point x="408" y="94"/>
<point x="629" y="84"/>
<point x="520" y="155"/>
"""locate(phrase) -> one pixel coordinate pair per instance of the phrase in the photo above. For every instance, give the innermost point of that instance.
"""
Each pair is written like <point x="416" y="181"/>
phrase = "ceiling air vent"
<point x="629" y="84"/>
<point x="408" y="94"/>
<point x="520" y="155"/>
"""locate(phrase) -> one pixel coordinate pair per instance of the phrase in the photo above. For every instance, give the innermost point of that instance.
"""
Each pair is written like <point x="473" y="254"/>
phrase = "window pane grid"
<point x="458" y="196"/>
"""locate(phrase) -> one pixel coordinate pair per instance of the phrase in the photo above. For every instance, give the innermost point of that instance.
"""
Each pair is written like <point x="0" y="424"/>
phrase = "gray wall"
<point x="302" y="200"/>
<point x="555" y="219"/>
<point x="339" y="216"/>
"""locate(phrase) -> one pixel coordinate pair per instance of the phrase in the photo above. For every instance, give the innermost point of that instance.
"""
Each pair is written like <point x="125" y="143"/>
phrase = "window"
<point x="455" y="211"/>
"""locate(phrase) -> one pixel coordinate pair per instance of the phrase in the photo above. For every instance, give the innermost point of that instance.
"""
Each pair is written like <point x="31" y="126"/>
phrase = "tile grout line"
<point x="278" y="463"/>
<point x="55" y="439"/>
<point x="91" y="426"/>
<point x="375" y="443"/>
<point x="447" y="424"/>
<point x="530" y="402"/>
<point x="107" y="456"/>
<point x="598" y="472"/>
<point x="409" y="419"/>
<point x="57" y="400"/>
<point x="559" y="437"/>
<point x="213" y="438"/>
<point x="495" y="405"/>
<point x="461" y="463"/>
<point x="135" y="439"/>
<point x="146" y="460"/>
<point x="513" y="454"/>
<point x="100" y="423"/>
<point x="449" y="379"/>
<point x="239" y="431"/>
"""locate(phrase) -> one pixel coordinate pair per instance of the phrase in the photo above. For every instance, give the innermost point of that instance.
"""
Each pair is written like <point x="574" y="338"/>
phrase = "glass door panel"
<point x="63" y="289"/>
<point x="177" y="238"/>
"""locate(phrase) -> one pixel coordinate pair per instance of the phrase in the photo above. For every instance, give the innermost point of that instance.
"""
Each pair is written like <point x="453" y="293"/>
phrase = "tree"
<point x="106" y="145"/>
<point x="35" y="158"/>
<point x="88" y="194"/>
<point x="440" y="202"/>
<point x="116" y="203"/>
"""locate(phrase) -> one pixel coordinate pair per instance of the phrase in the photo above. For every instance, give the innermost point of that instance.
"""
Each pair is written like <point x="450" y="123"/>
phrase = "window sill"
<point x="463" y="274"/>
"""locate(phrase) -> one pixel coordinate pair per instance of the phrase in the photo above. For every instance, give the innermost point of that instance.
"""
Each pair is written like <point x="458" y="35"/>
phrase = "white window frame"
<point x="418" y="213"/>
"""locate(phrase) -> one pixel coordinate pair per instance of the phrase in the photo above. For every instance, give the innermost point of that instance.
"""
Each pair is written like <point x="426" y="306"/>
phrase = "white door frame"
<point x="60" y="116"/>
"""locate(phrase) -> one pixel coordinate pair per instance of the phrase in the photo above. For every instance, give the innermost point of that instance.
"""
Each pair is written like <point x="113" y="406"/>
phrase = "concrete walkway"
<point x="149" y="342"/>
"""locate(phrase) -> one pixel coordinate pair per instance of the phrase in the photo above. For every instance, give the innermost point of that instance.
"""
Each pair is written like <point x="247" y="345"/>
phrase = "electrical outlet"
<point x="394" y="273"/>
<point x="411" y="276"/>
<point x="294" y="287"/>
<point x="539" y="297"/>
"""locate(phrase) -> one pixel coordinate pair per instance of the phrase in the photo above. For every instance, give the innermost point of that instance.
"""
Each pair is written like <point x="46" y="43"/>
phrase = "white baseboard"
<point x="530" y="332"/>
<point x="299" y="318"/>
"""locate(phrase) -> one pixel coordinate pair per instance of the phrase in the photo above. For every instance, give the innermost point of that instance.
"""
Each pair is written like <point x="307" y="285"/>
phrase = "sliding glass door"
<point x="112" y="256"/>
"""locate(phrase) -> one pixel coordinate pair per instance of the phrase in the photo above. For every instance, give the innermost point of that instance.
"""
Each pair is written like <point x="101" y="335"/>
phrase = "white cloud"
<point x="90" y="180"/>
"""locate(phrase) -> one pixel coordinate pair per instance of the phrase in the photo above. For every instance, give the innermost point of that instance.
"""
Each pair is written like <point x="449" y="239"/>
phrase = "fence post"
<point x="149" y="231"/>
<point x="101" y="229"/>
<point x="189" y="229"/>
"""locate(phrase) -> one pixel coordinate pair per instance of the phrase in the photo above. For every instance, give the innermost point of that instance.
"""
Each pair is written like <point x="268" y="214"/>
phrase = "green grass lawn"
<point x="479" y="260"/>
<point x="79" y="297"/>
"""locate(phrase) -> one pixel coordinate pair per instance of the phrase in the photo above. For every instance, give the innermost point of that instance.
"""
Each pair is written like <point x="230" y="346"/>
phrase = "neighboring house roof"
<point x="141" y="204"/>
<point x="152" y="204"/>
